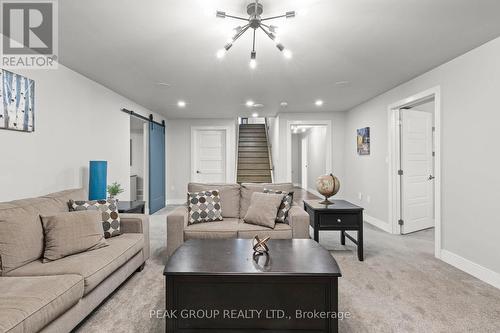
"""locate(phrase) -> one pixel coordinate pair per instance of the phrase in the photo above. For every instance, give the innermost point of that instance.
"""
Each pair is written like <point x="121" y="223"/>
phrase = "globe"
<point x="328" y="186"/>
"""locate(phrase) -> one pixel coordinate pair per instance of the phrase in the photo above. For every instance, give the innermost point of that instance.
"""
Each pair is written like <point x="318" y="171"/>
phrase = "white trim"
<point x="296" y="185"/>
<point x="328" y="148"/>
<point x="393" y="134"/>
<point x="377" y="223"/>
<point x="482" y="273"/>
<point x="176" y="201"/>
<point x="229" y="165"/>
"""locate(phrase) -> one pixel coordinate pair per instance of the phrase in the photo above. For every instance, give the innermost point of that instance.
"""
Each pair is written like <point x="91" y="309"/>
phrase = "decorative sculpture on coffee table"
<point x="327" y="185"/>
<point x="260" y="246"/>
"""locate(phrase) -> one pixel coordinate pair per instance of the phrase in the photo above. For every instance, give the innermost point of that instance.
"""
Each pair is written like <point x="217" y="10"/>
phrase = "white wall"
<point x="77" y="120"/>
<point x="179" y="154"/>
<point x="279" y="148"/>
<point x="470" y="87"/>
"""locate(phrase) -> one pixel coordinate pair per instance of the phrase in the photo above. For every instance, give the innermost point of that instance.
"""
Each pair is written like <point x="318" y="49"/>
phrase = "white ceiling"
<point x="131" y="45"/>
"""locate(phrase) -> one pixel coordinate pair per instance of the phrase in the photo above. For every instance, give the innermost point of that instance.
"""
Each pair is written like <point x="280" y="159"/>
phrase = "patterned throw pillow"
<point x="109" y="211"/>
<point x="285" y="206"/>
<point x="204" y="207"/>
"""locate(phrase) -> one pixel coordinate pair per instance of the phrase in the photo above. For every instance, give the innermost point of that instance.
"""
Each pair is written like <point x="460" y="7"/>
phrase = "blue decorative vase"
<point x="98" y="172"/>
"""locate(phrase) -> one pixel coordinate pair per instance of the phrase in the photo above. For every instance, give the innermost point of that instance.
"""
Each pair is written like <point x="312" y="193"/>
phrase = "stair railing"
<point x="237" y="151"/>
<point x="269" y="150"/>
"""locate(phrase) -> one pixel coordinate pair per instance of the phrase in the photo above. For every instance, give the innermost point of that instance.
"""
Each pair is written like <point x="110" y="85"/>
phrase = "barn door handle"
<point x="431" y="177"/>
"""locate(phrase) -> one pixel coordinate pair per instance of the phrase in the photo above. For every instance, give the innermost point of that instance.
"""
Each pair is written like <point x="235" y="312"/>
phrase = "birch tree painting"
<point x="17" y="107"/>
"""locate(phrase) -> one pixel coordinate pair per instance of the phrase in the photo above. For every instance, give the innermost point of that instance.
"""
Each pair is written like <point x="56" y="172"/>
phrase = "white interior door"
<point x="304" y="161"/>
<point x="209" y="156"/>
<point x="417" y="185"/>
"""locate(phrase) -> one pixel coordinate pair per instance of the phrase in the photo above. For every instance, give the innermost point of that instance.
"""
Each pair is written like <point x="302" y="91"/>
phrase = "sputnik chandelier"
<point x="255" y="21"/>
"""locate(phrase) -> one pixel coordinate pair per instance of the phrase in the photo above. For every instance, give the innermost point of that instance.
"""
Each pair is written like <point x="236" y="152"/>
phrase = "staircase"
<point x="253" y="154"/>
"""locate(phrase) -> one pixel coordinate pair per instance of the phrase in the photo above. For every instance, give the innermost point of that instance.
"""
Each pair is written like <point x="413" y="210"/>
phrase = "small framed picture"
<point x="17" y="102"/>
<point x="363" y="141"/>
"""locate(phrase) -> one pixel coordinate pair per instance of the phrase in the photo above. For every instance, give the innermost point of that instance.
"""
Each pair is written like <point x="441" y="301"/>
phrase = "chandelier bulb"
<point x="253" y="63"/>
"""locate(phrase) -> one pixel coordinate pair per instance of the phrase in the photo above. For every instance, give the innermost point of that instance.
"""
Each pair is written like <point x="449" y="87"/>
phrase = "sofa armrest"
<point x="176" y="222"/>
<point x="137" y="224"/>
<point x="298" y="219"/>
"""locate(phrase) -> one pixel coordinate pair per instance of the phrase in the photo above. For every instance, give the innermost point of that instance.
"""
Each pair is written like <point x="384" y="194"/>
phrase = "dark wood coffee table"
<point x="219" y="286"/>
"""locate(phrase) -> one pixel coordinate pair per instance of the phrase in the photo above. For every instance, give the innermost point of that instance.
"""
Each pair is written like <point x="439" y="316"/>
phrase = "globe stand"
<point x="326" y="202"/>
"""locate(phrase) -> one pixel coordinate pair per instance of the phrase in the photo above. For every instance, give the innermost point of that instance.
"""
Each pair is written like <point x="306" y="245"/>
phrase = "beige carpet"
<point x="400" y="287"/>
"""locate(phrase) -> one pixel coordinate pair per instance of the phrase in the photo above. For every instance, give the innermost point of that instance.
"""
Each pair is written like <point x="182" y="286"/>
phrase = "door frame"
<point x="227" y="132"/>
<point x="328" y="148"/>
<point x="394" y="155"/>
<point x="304" y="175"/>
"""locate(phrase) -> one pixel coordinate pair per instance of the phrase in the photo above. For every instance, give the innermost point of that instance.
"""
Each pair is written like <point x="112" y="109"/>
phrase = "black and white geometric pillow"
<point x="109" y="212"/>
<point x="285" y="206"/>
<point x="204" y="207"/>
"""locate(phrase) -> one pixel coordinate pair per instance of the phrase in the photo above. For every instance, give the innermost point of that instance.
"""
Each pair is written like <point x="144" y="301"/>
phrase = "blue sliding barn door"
<point x="156" y="167"/>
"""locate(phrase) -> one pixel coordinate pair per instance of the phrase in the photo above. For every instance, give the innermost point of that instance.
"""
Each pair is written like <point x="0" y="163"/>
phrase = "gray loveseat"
<point x="55" y="296"/>
<point x="235" y="200"/>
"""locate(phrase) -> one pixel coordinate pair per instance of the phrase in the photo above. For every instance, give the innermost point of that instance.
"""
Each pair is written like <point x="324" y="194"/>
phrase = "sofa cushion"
<point x="247" y="189"/>
<point x="21" y="237"/>
<point x="285" y="206"/>
<point x="62" y="198"/>
<point x="229" y="196"/>
<point x="263" y="209"/>
<point x="27" y="304"/>
<point x="72" y="232"/>
<point x="109" y="213"/>
<point x="204" y="206"/>
<point x="235" y="228"/>
<point x="94" y="266"/>
<point x="228" y="228"/>
<point x="280" y="231"/>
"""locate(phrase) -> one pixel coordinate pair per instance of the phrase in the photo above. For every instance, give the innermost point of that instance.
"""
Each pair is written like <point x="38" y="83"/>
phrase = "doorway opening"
<point x="147" y="161"/>
<point x="139" y="147"/>
<point x="309" y="160"/>
<point x="414" y="179"/>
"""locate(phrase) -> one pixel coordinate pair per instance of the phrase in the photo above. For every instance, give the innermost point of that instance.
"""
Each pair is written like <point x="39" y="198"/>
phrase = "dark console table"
<point x="341" y="216"/>
<point x="218" y="285"/>
<point x="136" y="207"/>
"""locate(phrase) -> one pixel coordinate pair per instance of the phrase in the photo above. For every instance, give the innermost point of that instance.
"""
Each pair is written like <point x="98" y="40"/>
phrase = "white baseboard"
<point x="482" y="273"/>
<point x="176" y="201"/>
<point x="296" y="185"/>
<point x="378" y="223"/>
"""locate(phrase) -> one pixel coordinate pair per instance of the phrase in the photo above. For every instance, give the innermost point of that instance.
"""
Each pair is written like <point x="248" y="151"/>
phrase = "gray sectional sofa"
<point x="55" y="296"/>
<point x="235" y="200"/>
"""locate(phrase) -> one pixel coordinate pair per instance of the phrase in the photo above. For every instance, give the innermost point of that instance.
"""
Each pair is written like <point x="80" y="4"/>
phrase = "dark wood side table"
<point x="222" y="278"/>
<point x="339" y="216"/>
<point x="136" y="207"/>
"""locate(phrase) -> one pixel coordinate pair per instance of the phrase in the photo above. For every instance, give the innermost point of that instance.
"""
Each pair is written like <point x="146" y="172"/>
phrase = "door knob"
<point x="198" y="171"/>
<point x="431" y="177"/>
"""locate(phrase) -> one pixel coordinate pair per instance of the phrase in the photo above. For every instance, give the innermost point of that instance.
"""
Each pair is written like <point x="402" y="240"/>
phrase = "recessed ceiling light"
<point x="181" y="104"/>
<point x="284" y="104"/>
<point x="255" y="114"/>
<point x="258" y="105"/>
<point x="249" y="103"/>
<point x="341" y="83"/>
<point x="319" y="102"/>
<point x="163" y="84"/>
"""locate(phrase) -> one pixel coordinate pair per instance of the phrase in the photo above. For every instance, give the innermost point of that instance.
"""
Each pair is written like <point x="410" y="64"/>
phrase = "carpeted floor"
<point x="400" y="287"/>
